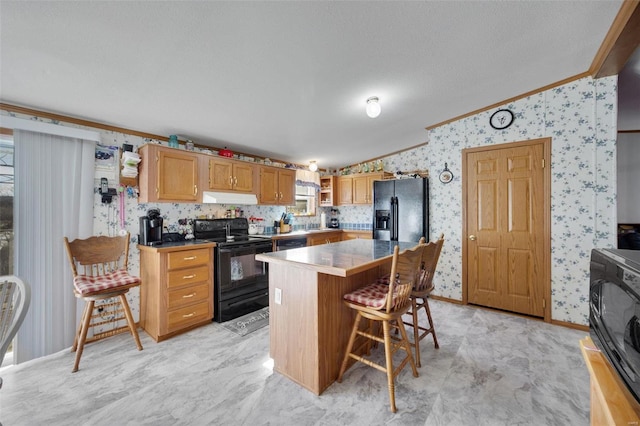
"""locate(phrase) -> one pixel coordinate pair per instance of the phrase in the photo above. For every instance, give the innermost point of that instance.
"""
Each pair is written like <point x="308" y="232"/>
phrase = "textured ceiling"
<point x="289" y="80"/>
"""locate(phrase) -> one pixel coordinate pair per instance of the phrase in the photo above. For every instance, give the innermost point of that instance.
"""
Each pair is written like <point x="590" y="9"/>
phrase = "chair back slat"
<point x="404" y="268"/>
<point x="430" y="256"/>
<point x="95" y="256"/>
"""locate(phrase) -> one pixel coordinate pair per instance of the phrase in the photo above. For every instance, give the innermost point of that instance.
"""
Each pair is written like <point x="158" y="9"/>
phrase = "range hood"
<point x="228" y="198"/>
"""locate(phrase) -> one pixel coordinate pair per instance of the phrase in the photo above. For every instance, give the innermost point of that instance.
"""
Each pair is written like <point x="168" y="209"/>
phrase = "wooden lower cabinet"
<point x="355" y="235"/>
<point x="316" y="239"/>
<point x="177" y="289"/>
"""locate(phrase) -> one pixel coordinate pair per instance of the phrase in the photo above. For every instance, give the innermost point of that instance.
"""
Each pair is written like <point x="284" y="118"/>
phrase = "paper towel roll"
<point x="323" y="220"/>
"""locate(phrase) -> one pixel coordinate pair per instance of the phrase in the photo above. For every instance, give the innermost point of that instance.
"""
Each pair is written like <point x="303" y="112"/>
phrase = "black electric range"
<point x="241" y="283"/>
<point x="226" y="232"/>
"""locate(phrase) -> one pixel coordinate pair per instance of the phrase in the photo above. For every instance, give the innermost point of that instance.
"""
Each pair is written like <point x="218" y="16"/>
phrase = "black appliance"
<point x="241" y="283"/>
<point x="614" y="311"/>
<point x="401" y="209"/>
<point x="290" y="243"/>
<point x="151" y="228"/>
<point x="333" y="221"/>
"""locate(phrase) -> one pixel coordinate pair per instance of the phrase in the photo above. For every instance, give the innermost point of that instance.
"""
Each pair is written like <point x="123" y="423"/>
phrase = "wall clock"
<point x="501" y="119"/>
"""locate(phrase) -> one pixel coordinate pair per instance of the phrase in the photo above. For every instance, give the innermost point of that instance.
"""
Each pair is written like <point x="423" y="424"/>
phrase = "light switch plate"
<point x="278" y="296"/>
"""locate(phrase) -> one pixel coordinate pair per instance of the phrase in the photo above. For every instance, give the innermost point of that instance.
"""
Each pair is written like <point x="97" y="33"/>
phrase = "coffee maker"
<point x="151" y="228"/>
<point x="333" y="221"/>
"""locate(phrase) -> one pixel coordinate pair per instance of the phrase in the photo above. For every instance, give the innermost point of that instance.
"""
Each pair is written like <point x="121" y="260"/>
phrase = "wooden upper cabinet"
<point x="358" y="189"/>
<point x="168" y="175"/>
<point x="345" y="190"/>
<point x="229" y="175"/>
<point x="277" y="186"/>
<point x="361" y="190"/>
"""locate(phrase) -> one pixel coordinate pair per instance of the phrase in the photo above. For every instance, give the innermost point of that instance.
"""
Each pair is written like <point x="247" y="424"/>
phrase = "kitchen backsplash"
<point x="580" y="117"/>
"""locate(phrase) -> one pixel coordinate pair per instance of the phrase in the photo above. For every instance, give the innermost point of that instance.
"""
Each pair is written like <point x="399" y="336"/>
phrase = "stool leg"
<point x="86" y="319"/>
<point x="416" y="330"/>
<point x="132" y="325"/>
<point x="407" y="347"/>
<point x="431" y="326"/>
<point x="352" y="339"/>
<point x="77" y="337"/>
<point x="388" y="354"/>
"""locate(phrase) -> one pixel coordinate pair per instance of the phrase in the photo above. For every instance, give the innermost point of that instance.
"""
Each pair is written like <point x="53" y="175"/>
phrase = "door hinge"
<point x="543" y="163"/>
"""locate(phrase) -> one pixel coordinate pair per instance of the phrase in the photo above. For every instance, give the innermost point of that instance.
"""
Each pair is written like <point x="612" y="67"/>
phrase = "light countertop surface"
<point x="300" y="233"/>
<point x="340" y="259"/>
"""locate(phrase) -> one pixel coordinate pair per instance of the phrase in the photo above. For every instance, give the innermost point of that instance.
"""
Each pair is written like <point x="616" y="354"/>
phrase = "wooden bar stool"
<point x="99" y="266"/>
<point x="385" y="304"/>
<point x="420" y="295"/>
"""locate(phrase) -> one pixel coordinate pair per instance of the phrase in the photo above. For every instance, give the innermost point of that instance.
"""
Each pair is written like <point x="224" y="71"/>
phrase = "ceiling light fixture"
<point x="313" y="166"/>
<point x="373" y="107"/>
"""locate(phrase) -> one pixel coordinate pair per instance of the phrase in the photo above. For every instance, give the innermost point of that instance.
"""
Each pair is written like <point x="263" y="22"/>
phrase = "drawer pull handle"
<point x="186" y="296"/>
<point x="188" y="277"/>
<point x="190" y="258"/>
<point x="188" y="315"/>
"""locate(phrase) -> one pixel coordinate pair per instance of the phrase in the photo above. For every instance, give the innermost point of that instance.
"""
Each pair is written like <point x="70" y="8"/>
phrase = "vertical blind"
<point x="54" y="178"/>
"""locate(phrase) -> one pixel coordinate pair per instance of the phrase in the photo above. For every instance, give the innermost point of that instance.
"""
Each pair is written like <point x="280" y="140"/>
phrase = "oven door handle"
<point x="246" y="249"/>
<point x="243" y="301"/>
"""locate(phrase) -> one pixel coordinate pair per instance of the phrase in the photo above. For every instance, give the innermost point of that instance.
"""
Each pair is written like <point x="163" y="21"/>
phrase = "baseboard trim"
<point x="554" y="322"/>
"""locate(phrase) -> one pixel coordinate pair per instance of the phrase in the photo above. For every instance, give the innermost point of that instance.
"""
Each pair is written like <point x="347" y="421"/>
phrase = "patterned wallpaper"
<point x="580" y="117"/>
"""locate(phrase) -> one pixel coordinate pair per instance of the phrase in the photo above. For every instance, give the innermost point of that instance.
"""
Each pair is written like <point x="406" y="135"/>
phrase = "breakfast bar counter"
<point x="309" y="325"/>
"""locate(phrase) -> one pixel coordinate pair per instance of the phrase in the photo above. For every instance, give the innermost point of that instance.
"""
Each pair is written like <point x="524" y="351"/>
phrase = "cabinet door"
<point x="177" y="175"/>
<point x="360" y="190"/>
<point x="268" y="185"/>
<point x="370" y="179"/>
<point x="287" y="187"/>
<point x="220" y="174"/>
<point x="345" y="190"/>
<point x="243" y="177"/>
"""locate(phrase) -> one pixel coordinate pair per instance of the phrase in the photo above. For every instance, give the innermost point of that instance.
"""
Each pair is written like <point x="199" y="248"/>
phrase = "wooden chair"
<point x="15" y="297"/>
<point x="99" y="266"/>
<point x="420" y="295"/>
<point x="385" y="304"/>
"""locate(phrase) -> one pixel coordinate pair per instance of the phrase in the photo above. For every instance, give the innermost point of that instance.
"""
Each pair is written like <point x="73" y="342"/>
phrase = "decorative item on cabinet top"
<point x="414" y="174"/>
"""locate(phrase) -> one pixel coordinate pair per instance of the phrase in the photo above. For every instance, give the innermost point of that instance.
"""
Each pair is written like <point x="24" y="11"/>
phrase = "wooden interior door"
<point x="507" y="226"/>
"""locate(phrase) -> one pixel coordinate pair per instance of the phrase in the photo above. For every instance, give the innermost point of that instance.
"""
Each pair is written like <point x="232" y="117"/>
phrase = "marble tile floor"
<point x="491" y="369"/>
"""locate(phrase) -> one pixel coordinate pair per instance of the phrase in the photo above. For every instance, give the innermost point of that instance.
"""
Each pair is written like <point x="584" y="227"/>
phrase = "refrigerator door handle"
<point x="395" y="219"/>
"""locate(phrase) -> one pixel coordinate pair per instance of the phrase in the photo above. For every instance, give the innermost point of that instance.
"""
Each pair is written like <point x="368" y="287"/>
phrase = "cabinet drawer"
<point x="182" y="259"/>
<point x="188" y="276"/>
<point x="182" y="317"/>
<point x="188" y="295"/>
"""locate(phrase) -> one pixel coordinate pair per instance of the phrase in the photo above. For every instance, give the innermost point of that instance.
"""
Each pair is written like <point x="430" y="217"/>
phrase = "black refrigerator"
<point x="401" y="209"/>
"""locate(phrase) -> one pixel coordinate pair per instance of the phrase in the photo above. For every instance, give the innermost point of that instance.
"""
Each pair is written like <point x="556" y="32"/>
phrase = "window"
<point x="305" y="201"/>
<point x="6" y="202"/>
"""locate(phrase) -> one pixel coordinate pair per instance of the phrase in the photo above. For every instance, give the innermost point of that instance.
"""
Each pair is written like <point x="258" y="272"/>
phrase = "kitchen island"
<point x="309" y="325"/>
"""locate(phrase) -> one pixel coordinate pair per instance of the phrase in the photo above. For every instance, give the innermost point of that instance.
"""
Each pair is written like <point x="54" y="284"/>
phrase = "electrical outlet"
<point x="278" y="296"/>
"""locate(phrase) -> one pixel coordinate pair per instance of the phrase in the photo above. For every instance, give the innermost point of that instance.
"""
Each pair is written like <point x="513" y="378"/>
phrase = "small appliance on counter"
<point x="333" y="221"/>
<point x="151" y="228"/>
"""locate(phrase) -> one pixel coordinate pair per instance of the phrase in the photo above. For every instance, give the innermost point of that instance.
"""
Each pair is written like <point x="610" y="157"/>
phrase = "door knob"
<point x="472" y="237"/>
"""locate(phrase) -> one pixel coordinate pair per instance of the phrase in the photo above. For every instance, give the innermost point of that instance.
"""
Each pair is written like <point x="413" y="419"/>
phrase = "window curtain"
<point x="54" y="179"/>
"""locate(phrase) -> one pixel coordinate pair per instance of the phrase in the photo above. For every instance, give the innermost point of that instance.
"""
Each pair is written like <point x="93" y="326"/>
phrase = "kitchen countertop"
<point x="178" y="245"/>
<point x="340" y="259"/>
<point x="299" y="233"/>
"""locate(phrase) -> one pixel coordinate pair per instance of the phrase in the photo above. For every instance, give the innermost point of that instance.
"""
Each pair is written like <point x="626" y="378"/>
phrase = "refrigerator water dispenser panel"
<point x="383" y="219"/>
